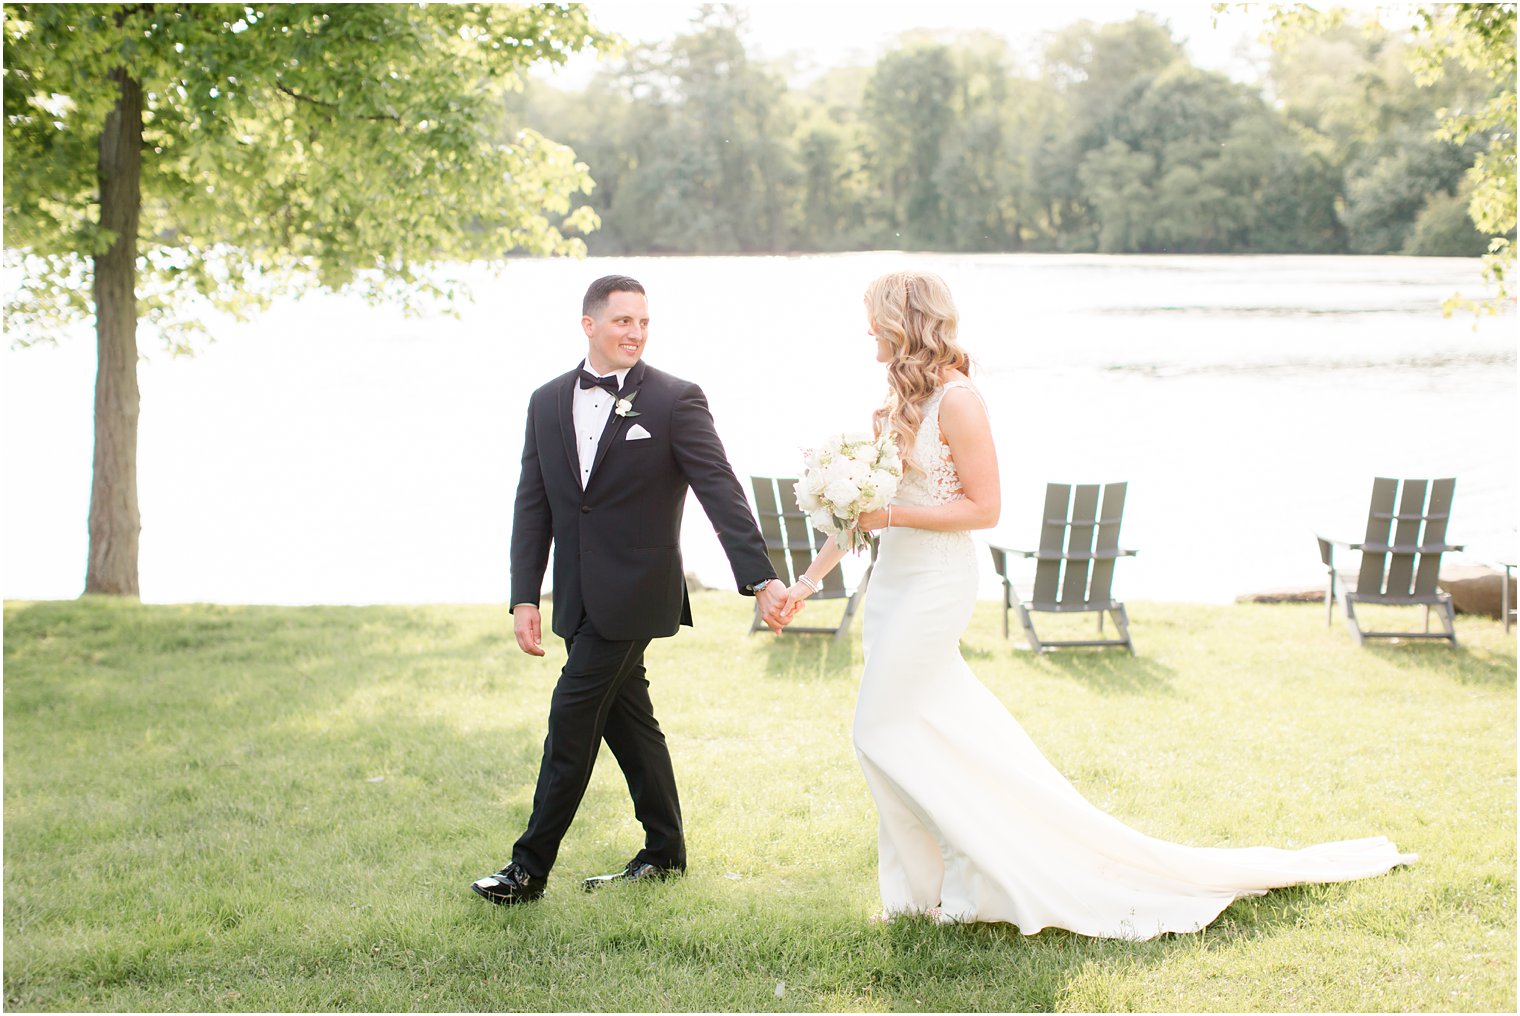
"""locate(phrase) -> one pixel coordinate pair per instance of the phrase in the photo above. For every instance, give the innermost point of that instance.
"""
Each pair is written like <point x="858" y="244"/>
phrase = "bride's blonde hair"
<point x="914" y="314"/>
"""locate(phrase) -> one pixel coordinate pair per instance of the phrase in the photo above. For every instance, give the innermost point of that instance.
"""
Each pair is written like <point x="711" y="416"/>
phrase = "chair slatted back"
<point x="1437" y="514"/>
<point x="1102" y="586"/>
<point x="1079" y="543"/>
<point x="1369" y="580"/>
<point x="1406" y="534"/>
<point x="790" y="541"/>
<point x="1047" y="572"/>
<point x="1401" y="553"/>
<point x="1079" y="538"/>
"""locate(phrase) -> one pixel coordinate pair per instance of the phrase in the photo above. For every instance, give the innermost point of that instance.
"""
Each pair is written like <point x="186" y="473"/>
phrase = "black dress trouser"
<point x="603" y="694"/>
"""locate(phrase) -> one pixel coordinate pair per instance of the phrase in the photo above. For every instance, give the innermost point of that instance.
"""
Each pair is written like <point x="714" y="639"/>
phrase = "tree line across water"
<point x="1110" y="140"/>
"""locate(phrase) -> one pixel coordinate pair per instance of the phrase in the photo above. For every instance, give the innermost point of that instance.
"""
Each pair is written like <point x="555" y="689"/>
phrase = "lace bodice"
<point x="935" y="481"/>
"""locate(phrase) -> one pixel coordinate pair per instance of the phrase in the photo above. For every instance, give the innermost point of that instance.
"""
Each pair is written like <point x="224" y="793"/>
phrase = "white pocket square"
<point x="637" y="433"/>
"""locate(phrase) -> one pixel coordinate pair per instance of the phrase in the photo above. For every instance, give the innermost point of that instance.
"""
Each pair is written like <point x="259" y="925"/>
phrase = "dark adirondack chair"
<point x="792" y="544"/>
<point x="1401" y="557"/>
<point x="1074" y="569"/>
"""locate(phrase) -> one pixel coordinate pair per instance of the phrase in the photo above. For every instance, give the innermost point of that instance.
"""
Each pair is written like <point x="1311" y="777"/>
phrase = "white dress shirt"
<point x="590" y="410"/>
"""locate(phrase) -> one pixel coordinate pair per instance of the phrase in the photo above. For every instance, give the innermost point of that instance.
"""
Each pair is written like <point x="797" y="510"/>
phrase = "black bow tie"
<point x="590" y="380"/>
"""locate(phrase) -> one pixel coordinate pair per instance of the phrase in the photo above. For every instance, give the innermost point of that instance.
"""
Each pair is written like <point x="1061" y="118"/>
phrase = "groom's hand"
<point x="775" y="606"/>
<point x="527" y="625"/>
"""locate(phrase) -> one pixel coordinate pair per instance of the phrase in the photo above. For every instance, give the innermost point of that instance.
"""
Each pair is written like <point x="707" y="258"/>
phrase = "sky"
<point x="830" y="33"/>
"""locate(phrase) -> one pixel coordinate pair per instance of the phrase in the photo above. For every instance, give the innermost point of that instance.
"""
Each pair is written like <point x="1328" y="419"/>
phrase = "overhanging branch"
<point x="332" y="105"/>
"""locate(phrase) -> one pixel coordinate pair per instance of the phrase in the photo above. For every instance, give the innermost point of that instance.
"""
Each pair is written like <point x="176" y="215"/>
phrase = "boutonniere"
<point x="624" y="406"/>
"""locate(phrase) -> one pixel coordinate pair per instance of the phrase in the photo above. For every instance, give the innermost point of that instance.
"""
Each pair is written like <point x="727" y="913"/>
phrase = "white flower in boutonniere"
<point x="624" y="406"/>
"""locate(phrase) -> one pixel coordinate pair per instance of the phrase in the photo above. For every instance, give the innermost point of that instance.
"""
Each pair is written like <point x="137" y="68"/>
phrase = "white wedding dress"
<point x="973" y="819"/>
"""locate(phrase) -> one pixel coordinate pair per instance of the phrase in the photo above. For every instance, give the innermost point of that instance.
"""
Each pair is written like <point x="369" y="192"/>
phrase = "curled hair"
<point x="915" y="315"/>
<point x="600" y="291"/>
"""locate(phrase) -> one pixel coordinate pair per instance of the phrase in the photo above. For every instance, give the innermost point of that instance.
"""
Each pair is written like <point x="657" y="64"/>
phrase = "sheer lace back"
<point x="936" y="480"/>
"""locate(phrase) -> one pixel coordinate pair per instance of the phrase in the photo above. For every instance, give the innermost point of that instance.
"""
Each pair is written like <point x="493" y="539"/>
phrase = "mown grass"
<point x="254" y="808"/>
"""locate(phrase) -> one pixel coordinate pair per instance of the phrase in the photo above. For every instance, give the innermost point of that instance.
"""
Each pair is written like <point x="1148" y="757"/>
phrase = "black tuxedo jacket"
<point x="617" y="554"/>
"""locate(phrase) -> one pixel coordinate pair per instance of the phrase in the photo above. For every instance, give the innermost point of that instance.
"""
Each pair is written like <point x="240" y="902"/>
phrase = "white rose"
<point x="837" y="470"/>
<point x="857" y="471"/>
<point x="823" y="521"/>
<point x="809" y="499"/>
<point x="841" y="493"/>
<point x="875" y="497"/>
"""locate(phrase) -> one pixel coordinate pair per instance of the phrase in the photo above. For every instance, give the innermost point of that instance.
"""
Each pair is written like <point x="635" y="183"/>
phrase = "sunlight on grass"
<point x="287" y="806"/>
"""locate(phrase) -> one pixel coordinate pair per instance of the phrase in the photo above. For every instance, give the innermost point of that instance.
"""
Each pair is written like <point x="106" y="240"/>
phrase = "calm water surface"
<point x="329" y="452"/>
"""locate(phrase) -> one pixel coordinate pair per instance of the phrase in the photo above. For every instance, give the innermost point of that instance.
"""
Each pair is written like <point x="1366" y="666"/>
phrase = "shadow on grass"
<point x="790" y="656"/>
<point x="1107" y="671"/>
<point x="832" y="958"/>
<point x="1470" y="666"/>
<point x="1060" y="969"/>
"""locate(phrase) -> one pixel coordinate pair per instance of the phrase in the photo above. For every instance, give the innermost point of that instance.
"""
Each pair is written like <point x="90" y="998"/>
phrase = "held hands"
<point x="776" y="608"/>
<point x="527" y="625"/>
<point x="799" y="592"/>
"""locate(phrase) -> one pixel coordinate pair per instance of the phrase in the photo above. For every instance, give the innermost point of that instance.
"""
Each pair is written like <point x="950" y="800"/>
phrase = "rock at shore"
<point x="1290" y="595"/>
<point x="1476" y="589"/>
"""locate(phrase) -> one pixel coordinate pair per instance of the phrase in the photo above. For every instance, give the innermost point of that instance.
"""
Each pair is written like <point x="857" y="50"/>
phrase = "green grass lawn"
<point x="260" y="808"/>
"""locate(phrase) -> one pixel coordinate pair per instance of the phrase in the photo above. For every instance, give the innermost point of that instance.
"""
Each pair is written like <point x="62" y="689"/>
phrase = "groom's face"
<point x="617" y="333"/>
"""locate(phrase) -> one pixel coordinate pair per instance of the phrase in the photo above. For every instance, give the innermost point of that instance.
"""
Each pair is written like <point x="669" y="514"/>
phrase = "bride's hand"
<point x="869" y="522"/>
<point x="797" y="593"/>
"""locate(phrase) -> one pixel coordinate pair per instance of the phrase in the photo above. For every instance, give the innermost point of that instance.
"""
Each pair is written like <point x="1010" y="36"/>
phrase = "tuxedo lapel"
<point x="615" y="423"/>
<point x="564" y="408"/>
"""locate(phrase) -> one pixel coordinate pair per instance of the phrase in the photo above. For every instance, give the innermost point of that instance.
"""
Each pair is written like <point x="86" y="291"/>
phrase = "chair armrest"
<point x="1327" y="545"/>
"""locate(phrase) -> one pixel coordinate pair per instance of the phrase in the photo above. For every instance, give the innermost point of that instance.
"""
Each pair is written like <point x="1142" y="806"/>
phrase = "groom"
<point x="610" y="451"/>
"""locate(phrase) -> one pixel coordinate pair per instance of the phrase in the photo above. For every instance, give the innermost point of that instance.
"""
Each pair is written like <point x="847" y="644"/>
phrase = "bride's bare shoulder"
<point x="962" y="401"/>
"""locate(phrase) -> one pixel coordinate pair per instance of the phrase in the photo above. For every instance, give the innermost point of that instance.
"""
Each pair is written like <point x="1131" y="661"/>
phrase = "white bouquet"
<point x="845" y="476"/>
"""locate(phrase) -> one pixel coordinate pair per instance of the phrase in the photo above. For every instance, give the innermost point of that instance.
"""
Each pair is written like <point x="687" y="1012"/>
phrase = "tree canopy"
<point x="1107" y="139"/>
<point x="283" y="146"/>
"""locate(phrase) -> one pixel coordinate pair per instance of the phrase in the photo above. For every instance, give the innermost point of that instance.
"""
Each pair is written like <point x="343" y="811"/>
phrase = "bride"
<point x="975" y="824"/>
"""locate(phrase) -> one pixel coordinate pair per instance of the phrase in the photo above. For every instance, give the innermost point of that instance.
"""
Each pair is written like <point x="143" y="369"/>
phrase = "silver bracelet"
<point x="889" y="516"/>
<point x="815" y="587"/>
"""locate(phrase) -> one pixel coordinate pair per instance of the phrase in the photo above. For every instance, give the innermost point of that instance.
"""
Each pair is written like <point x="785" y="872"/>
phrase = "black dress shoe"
<point x="511" y="884"/>
<point x="636" y="871"/>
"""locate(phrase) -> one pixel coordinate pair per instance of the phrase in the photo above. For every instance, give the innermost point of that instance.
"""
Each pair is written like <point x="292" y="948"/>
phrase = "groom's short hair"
<point x="602" y="289"/>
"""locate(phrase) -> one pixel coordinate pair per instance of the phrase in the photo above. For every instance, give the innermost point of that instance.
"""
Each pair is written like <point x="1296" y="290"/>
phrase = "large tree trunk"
<point x="114" y="520"/>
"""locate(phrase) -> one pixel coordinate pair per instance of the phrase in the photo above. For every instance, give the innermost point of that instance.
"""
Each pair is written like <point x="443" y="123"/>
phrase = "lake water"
<point x="331" y="452"/>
